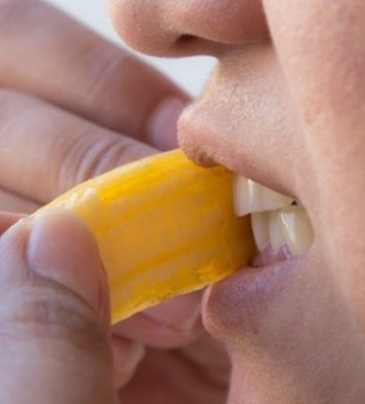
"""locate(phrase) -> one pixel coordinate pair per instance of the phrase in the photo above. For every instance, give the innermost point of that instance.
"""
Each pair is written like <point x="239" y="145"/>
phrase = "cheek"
<point x="336" y="207"/>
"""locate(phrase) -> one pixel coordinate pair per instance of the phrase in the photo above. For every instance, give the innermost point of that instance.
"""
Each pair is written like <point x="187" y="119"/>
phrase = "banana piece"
<point x="164" y="227"/>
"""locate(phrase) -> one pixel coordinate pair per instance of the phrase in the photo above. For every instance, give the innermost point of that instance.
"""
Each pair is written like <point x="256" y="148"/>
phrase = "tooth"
<point x="277" y="239"/>
<point x="245" y="196"/>
<point x="260" y="228"/>
<point x="296" y="229"/>
<point x="249" y="197"/>
<point x="272" y="200"/>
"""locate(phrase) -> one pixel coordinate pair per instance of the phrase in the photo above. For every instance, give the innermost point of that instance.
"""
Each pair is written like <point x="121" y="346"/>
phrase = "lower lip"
<point x="245" y="294"/>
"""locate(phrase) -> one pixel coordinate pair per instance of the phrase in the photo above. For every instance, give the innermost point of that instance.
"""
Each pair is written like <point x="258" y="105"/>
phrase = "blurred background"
<point x="189" y="73"/>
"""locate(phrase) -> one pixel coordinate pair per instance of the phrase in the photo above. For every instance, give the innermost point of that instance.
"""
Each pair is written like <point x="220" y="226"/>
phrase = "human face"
<point x="285" y="108"/>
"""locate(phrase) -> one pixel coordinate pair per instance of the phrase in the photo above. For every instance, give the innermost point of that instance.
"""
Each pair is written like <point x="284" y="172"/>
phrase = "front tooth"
<point x="272" y="200"/>
<point x="246" y="196"/>
<point x="260" y="229"/>
<point x="296" y="229"/>
<point x="277" y="239"/>
<point x="249" y="197"/>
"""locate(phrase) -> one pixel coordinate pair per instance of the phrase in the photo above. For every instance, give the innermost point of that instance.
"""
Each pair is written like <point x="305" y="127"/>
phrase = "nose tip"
<point x="187" y="27"/>
<point x="155" y="28"/>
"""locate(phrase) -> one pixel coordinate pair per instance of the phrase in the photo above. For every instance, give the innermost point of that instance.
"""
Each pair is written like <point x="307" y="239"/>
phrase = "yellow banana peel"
<point x="164" y="227"/>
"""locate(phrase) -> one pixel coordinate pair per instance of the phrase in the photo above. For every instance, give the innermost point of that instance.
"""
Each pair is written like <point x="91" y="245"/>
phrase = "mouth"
<point x="283" y="235"/>
<point x="217" y="129"/>
<point x="281" y="227"/>
<point x="282" y="230"/>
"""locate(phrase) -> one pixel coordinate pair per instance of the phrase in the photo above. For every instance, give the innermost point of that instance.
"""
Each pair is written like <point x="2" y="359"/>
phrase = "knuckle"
<point x="93" y="154"/>
<point x="51" y="313"/>
<point x="113" y="77"/>
<point x="105" y="64"/>
<point x="100" y="157"/>
<point x="82" y="158"/>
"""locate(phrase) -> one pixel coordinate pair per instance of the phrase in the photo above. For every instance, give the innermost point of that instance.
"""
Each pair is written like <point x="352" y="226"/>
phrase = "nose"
<point x="187" y="27"/>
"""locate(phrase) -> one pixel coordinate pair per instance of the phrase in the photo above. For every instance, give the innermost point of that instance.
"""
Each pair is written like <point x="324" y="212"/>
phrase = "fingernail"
<point x="162" y="129"/>
<point x="62" y="249"/>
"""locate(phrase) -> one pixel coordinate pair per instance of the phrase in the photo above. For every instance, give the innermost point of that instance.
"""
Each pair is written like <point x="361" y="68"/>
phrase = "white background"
<point x="190" y="73"/>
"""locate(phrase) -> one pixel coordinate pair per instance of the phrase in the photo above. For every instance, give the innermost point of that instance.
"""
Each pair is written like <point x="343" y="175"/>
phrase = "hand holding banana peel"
<point x="164" y="227"/>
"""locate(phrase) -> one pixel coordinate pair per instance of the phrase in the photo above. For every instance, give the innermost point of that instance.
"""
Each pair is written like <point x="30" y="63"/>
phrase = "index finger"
<point x="71" y="66"/>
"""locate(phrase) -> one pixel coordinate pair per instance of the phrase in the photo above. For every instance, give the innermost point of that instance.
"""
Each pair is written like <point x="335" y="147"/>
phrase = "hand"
<point x="54" y="332"/>
<point x="54" y="342"/>
<point x="66" y="118"/>
<point x="72" y="105"/>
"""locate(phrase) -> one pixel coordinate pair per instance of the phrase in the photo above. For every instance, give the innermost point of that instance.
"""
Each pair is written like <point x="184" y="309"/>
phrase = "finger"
<point x="71" y="66"/>
<point x="14" y="203"/>
<point x="172" y="324"/>
<point x="45" y="151"/>
<point x="127" y="355"/>
<point x="73" y="150"/>
<point x="7" y="219"/>
<point x="53" y="333"/>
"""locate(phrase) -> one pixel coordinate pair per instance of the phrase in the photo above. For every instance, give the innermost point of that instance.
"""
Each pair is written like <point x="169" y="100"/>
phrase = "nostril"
<point x="190" y="45"/>
<point x="185" y="43"/>
<point x="186" y="39"/>
<point x="178" y="28"/>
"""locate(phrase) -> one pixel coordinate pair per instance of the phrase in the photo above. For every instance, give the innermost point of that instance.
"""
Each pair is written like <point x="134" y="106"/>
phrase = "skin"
<point x="285" y="108"/>
<point x="63" y="124"/>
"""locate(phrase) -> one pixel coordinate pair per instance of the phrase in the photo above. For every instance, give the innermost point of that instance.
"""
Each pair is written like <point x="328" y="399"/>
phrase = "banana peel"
<point x="164" y="227"/>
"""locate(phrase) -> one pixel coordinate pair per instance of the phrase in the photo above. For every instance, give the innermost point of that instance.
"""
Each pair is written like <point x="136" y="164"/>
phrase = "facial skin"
<point x="285" y="107"/>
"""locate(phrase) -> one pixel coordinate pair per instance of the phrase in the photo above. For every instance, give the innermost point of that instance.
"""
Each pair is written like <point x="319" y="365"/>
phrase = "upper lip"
<point x="203" y="141"/>
<point x="210" y="138"/>
<point x="212" y="133"/>
<point x="239" y="121"/>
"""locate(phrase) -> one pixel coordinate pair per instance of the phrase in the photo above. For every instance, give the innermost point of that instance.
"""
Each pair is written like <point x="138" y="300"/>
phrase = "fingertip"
<point x="50" y="280"/>
<point x="162" y="126"/>
<point x="62" y="248"/>
<point x="171" y="324"/>
<point x="127" y="355"/>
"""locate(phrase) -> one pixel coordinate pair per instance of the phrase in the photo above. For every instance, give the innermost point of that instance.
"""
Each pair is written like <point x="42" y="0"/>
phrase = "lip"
<point x="201" y="134"/>
<point x="250" y="290"/>
<point x="238" y="121"/>
<point x="245" y="295"/>
<point x="203" y="137"/>
<point x="229" y="125"/>
<point x="247" y="292"/>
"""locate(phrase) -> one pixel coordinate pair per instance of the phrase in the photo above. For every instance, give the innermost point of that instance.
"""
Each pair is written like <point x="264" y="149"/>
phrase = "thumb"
<point x="54" y="344"/>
